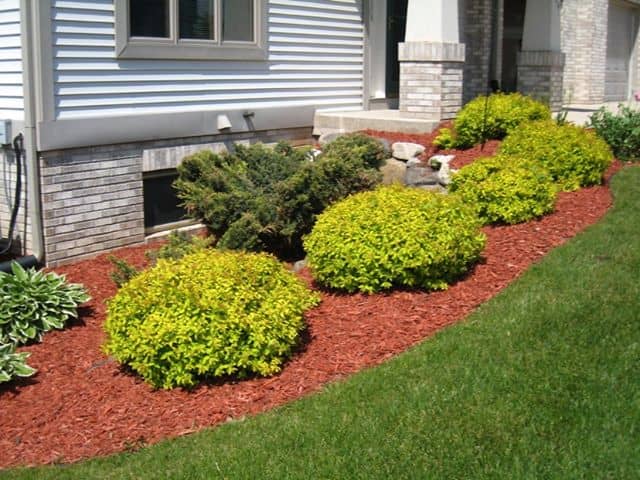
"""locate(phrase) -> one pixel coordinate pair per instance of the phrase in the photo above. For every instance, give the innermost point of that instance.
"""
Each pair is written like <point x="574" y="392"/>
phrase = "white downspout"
<point x="30" y="144"/>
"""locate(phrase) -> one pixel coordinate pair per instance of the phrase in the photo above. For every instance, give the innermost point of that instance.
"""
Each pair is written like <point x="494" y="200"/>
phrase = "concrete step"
<point x="353" y="121"/>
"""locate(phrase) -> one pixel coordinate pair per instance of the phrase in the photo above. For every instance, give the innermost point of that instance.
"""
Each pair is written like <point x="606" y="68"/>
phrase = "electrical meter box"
<point x="5" y="132"/>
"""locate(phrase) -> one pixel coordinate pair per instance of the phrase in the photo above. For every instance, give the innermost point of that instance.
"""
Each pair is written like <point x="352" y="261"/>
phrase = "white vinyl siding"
<point x="315" y="58"/>
<point x="11" y="93"/>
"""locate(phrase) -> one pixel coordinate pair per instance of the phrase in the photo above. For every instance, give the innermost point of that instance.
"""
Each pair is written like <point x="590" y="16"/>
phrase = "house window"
<point x="191" y="29"/>
<point x="162" y="207"/>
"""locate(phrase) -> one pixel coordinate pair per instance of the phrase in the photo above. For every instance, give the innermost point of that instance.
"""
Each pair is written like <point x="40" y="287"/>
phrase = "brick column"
<point x="431" y="75"/>
<point x="541" y="62"/>
<point x="540" y="75"/>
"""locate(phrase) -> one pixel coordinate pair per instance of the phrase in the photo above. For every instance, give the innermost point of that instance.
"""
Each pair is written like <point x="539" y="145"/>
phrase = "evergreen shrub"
<point x="505" y="190"/>
<point x="574" y="157"/>
<point x="210" y="314"/>
<point x="503" y="112"/>
<point x="265" y="199"/>
<point x="394" y="236"/>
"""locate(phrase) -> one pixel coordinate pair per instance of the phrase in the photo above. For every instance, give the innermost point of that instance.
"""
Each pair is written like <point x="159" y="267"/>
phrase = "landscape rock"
<point x="299" y="265"/>
<point x="434" y="188"/>
<point x="444" y="171"/>
<point x="406" y="151"/>
<point x="393" y="171"/>
<point x="328" y="138"/>
<point x="419" y="175"/>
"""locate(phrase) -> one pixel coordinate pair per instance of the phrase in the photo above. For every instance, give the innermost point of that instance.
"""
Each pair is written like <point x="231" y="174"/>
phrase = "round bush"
<point x="503" y="112"/>
<point x="574" y="157"/>
<point x="505" y="190"/>
<point x="209" y="314"/>
<point x="394" y="236"/>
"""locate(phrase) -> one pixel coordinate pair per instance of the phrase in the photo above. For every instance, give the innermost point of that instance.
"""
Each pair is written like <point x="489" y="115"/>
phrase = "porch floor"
<point x="352" y="121"/>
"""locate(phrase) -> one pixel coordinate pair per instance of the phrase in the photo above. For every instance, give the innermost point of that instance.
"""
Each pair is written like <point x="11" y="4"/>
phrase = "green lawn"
<point x="543" y="381"/>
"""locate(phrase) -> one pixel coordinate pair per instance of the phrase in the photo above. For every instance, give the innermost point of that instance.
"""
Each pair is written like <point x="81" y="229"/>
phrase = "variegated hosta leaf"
<point x="34" y="302"/>
<point x="13" y="364"/>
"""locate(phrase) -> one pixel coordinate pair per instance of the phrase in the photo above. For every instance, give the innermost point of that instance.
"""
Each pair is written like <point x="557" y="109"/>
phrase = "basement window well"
<point x="162" y="210"/>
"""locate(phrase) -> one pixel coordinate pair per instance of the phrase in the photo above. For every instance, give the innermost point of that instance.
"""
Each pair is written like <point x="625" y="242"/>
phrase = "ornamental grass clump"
<point x="491" y="118"/>
<point x="574" y="157"/>
<point x="209" y="314"/>
<point x="505" y="189"/>
<point x="33" y="302"/>
<point x="393" y="237"/>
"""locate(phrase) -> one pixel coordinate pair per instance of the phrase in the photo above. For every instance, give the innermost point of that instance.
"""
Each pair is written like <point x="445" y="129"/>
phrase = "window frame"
<point x="174" y="48"/>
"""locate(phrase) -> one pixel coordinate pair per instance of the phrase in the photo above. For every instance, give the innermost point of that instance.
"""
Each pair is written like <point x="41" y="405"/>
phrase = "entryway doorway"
<point x="396" y="27"/>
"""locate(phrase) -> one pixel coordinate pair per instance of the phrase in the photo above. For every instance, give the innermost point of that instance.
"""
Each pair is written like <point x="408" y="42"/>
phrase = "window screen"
<point x="196" y="19"/>
<point x="237" y="21"/>
<point x="149" y="18"/>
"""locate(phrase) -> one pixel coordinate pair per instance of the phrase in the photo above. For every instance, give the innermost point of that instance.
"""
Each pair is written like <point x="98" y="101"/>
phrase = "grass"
<point x="543" y="381"/>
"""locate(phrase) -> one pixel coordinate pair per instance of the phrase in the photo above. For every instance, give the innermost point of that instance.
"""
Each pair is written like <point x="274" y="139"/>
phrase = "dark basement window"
<point x="161" y="204"/>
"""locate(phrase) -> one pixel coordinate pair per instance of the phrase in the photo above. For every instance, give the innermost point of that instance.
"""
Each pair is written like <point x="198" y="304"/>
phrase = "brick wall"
<point x="91" y="201"/>
<point x="477" y="39"/>
<point x="92" y="198"/>
<point x="431" y="76"/>
<point x="540" y="75"/>
<point x="584" y="42"/>
<point x="430" y="90"/>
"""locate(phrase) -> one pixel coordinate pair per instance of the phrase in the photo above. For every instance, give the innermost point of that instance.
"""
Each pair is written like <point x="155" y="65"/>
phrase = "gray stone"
<point x="313" y="154"/>
<point x="393" y="171"/>
<point x="437" y="160"/>
<point x="419" y="175"/>
<point x="406" y="151"/>
<point x="299" y="265"/>
<point x="444" y="172"/>
<point x="434" y="188"/>
<point x="328" y="138"/>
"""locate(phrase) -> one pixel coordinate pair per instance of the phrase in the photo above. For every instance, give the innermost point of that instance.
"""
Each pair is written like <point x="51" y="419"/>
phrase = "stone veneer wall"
<point x="22" y="233"/>
<point x="477" y="23"/>
<point x="92" y="198"/>
<point x="584" y="42"/>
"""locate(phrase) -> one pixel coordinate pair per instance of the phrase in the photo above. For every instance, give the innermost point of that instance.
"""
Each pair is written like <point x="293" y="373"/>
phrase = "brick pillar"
<point x="540" y="75"/>
<point x="431" y="75"/>
<point x="541" y="61"/>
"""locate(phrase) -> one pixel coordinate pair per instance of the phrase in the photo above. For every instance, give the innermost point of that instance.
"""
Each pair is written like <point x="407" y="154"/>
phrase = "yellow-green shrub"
<point x="505" y="189"/>
<point x="394" y="236"/>
<point x="574" y="157"/>
<point x="209" y="314"/>
<point x="502" y="112"/>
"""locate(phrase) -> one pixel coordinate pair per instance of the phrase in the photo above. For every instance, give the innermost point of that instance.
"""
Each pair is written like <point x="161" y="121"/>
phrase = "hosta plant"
<point x="33" y="302"/>
<point x="13" y="364"/>
<point x="209" y="314"/>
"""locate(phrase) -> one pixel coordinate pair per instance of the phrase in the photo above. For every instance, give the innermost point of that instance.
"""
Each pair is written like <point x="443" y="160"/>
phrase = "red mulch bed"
<point x="463" y="157"/>
<point x="81" y="404"/>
